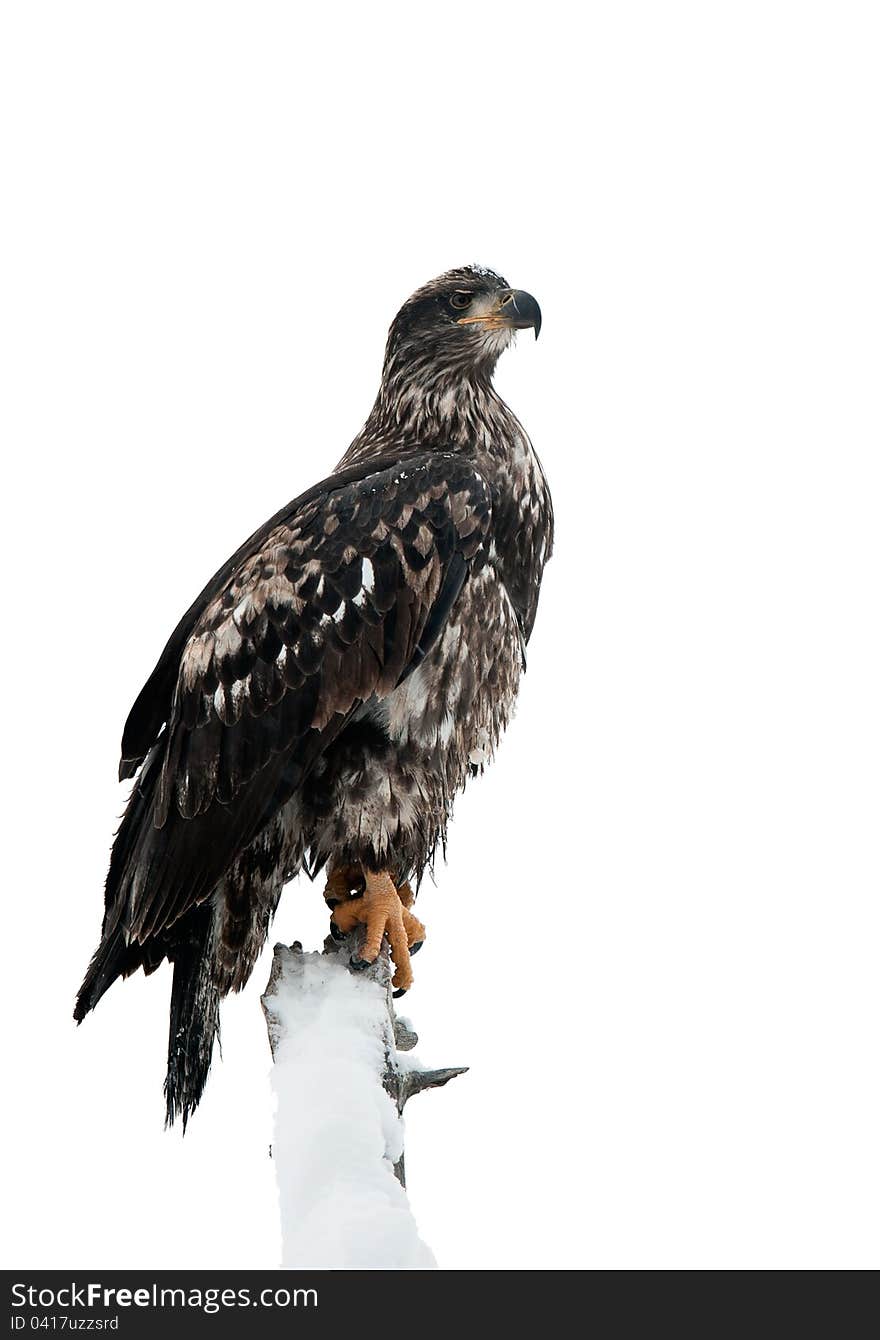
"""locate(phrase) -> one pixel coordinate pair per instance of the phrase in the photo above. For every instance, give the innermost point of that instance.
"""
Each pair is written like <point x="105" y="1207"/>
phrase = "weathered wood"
<point x="400" y="1080"/>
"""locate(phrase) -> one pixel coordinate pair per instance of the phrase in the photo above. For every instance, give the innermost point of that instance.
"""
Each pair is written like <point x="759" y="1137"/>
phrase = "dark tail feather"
<point x="110" y="960"/>
<point x="195" y="1015"/>
<point x="114" y="958"/>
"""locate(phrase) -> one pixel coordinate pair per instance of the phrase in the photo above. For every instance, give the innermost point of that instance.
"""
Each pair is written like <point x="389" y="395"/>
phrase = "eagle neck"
<point x="447" y="409"/>
<point x="438" y="407"/>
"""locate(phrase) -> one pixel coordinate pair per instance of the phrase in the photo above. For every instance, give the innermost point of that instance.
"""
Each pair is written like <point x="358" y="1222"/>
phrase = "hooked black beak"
<point x="513" y="309"/>
<point x="519" y="310"/>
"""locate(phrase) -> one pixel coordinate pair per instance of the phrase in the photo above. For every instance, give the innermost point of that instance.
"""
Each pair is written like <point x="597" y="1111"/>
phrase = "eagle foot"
<point x="384" y="910"/>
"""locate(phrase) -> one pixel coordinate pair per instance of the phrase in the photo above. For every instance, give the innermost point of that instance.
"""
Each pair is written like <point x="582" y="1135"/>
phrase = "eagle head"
<point x="461" y="322"/>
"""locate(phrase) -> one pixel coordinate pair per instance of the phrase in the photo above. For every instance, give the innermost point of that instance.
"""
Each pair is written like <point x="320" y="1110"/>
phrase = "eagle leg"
<point x="384" y="912"/>
<point x="342" y="882"/>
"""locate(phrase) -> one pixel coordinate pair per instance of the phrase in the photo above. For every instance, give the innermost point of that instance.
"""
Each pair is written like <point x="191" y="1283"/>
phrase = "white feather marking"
<point x="245" y="611"/>
<point x="228" y="640"/>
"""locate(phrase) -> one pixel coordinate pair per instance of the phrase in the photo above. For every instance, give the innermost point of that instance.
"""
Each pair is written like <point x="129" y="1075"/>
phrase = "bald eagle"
<point x="331" y="689"/>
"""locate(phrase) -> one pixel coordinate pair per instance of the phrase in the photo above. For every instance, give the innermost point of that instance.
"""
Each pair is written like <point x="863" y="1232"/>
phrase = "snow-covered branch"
<point x="341" y="1080"/>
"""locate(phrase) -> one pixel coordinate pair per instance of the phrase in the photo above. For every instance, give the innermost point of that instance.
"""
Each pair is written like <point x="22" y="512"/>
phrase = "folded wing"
<point x="331" y="603"/>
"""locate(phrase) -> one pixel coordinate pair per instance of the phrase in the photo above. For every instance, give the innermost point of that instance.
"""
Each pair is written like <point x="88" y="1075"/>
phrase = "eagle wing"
<point x="333" y="602"/>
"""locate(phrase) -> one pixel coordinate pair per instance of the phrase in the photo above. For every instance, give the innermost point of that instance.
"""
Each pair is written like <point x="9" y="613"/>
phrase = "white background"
<point x="655" y="941"/>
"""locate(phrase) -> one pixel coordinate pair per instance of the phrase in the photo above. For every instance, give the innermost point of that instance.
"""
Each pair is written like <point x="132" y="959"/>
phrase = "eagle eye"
<point x="461" y="300"/>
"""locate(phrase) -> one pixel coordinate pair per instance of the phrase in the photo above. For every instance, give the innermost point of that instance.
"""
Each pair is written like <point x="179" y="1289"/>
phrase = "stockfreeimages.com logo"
<point x="82" y="1297"/>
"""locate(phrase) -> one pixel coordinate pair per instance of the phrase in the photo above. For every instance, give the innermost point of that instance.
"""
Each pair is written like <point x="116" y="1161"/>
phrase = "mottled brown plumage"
<point x="336" y="682"/>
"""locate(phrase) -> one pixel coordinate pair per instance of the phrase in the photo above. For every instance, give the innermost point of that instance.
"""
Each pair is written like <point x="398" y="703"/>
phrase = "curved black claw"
<point x="336" y="932"/>
<point x="401" y="991"/>
<point x="358" y="963"/>
<point x="414" y="949"/>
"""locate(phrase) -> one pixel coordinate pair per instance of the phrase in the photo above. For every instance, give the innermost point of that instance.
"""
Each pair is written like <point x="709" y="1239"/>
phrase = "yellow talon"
<point x="384" y="911"/>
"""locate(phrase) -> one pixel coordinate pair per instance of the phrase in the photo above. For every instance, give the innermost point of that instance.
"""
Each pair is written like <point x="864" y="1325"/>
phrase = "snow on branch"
<point x="341" y="1082"/>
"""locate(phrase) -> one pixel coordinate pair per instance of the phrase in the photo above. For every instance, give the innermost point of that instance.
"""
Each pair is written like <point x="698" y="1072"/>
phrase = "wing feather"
<point x="331" y="603"/>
